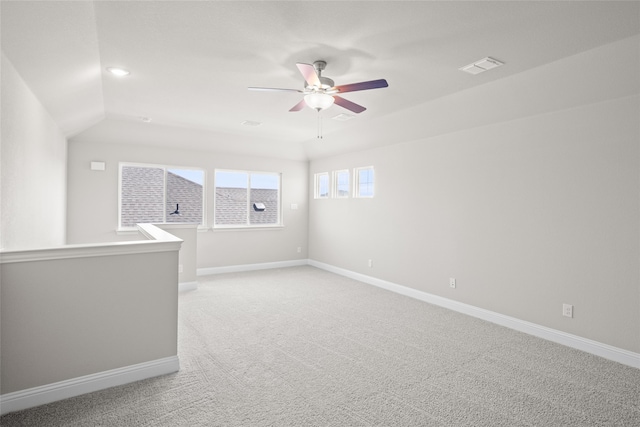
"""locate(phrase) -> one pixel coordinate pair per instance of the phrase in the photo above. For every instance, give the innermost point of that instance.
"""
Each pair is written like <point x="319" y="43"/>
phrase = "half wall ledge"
<point x="158" y="241"/>
<point x="80" y="318"/>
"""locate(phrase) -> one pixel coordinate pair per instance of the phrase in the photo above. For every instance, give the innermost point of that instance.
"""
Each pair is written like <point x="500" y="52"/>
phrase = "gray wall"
<point x="188" y="255"/>
<point x="63" y="319"/>
<point x="33" y="168"/>
<point x="94" y="194"/>
<point x="526" y="215"/>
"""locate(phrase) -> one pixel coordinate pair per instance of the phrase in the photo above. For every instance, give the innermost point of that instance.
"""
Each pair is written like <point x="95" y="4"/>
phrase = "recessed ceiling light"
<point x="251" y="123"/>
<point x="120" y="72"/>
<point x="481" y="66"/>
<point x="146" y="119"/>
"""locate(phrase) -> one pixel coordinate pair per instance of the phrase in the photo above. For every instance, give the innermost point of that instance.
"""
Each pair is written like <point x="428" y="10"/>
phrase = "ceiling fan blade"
<point x="373" y="84"/>
<point x="351" y="106"/>
<point x="299" y="106"/>
<point x="274" y="89"/>
<point x="309" y="73"/>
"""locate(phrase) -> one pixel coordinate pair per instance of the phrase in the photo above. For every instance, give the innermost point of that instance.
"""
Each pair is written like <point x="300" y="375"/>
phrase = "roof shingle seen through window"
<point x="232" y="208"/>
<point x="142" y="197"/>
<point x="188" y="195"/>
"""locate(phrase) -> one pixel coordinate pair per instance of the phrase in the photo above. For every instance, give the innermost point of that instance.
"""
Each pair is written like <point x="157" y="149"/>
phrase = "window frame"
<point x="165" y="168"/>
<point x="336" y="183"/>
<point x="316" y="185"/>
<point x="248" y="224"/>
<point x="356" y="182"/>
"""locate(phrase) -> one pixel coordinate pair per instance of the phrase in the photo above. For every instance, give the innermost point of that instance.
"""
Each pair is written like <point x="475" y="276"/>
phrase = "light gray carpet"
<point x="303" y="347"/>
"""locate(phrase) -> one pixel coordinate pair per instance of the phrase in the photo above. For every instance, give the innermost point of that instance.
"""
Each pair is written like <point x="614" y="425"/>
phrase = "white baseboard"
<point x="594" y="347"/>
<point x="616" y="354"/>
<point x="36" y="396"/>
<point x="251" y="267"/>
<point x="187" y="286"/>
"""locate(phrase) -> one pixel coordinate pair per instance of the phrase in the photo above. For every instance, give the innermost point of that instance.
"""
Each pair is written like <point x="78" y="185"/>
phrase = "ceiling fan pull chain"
<point x="319" y="126"/>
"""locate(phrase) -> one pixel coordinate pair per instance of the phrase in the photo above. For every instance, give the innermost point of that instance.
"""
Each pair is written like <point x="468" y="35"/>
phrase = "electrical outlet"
<point x="370" y="263"/>
<point x="299" y="249"/>
<point x="180" y="268"/>
<point x="567" y="310"/>
<point x="452" y="282"/>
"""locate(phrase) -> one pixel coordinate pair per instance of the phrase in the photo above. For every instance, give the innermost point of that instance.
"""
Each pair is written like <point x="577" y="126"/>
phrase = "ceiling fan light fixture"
<point x="319" y="101"/>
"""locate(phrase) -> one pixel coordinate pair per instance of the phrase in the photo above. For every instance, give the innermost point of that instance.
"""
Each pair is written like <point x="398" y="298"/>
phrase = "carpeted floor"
<point x="304" y="347"/>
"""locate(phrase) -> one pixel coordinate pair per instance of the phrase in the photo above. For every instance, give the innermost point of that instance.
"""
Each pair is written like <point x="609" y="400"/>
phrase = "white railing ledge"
<point x="159" y="241"/>
<point x="153" y="232"/>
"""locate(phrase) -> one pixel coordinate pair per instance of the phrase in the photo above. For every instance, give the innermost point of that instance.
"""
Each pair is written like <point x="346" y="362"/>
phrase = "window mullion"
<point x="248" y="211"/>
<point x="164" y="198"/>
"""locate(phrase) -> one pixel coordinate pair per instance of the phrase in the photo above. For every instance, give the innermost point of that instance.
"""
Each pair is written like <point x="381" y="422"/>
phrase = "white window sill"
<point x="246" y="228"/>
<point x="129" y="231"/>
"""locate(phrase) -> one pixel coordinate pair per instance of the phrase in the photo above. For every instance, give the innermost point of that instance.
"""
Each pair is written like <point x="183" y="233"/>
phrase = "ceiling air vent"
<point x="343" y="117"/>
<point x="481" y="66"/>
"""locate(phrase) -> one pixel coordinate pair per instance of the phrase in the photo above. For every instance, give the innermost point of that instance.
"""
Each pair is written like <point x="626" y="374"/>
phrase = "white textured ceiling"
<point x="191" y="64"/>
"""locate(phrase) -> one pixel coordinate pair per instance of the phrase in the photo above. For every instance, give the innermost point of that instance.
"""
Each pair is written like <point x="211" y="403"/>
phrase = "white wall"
<point x="188" y="255"/>
<point x="66" y="318"/>
<point x="33" y="168"/>
<point x="526" y="215"/>
<point x="94" y="195"/>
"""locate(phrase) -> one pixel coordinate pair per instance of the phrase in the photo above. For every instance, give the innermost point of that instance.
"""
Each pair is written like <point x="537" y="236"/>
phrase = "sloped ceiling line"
<point x="191" y="64"/>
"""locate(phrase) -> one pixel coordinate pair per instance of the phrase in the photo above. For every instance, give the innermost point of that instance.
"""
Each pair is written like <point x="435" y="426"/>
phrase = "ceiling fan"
<point x="320" y="92"/>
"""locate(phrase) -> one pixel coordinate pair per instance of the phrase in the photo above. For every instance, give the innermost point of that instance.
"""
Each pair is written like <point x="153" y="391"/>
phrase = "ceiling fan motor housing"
<point x="319" y="65"/>
<point x="325" y="82"/>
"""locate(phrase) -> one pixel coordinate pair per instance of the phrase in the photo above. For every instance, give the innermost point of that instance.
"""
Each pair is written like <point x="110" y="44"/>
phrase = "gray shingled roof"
<point x="142" y="197"/>
<point x="142" y="200"/>
<point x="188" y="195"/>
<point x="231" y="206"/>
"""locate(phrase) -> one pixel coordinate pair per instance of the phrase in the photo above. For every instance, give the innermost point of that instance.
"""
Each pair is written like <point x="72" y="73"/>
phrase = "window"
<point x="363" y="182"/>
<point x="246" y="199"/>
<point x="321" y="186"/>
<point x="341" y="184"/>
<point x="160" y="194"/>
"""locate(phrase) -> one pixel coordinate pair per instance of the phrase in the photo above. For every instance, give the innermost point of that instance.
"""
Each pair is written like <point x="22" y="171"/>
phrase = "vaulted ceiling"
<point x="192" y="61"/>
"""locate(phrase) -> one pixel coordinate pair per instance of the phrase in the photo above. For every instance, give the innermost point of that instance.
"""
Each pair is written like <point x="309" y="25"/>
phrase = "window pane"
<point x="263" y="199"/>
<point x="265" y="181"/>
<point x="184" y="195"/>
<point x="321" y="189"/>
<point x="323" y="186"/>
<point x="342" y="184"/>
<point x="247" y="198"/>
<point x="142" y="195"/>
<point x="231" y="179"/>
<point x="365" y="182"/>
<point x="231" y="198"/>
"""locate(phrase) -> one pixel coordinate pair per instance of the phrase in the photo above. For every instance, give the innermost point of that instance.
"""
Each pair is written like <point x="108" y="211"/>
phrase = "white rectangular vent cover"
<point x="251" y="123"/>
<point x="343" y="117"/>
<point x="481" y="66"/>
